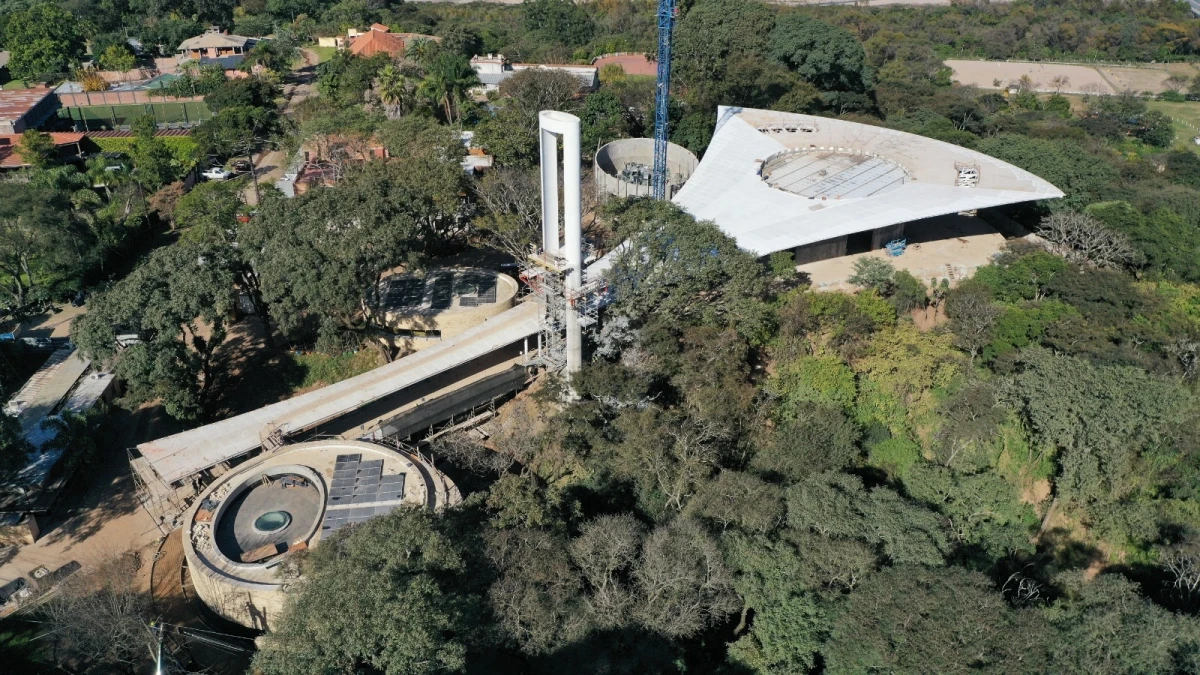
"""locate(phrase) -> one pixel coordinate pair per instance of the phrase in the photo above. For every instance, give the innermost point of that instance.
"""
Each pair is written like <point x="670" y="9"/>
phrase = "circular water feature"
<point x="272" y="521"/>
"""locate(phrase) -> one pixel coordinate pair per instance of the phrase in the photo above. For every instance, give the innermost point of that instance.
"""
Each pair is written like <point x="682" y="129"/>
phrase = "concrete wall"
<point x="836" y="248"/>
<point x="612" y="157"/>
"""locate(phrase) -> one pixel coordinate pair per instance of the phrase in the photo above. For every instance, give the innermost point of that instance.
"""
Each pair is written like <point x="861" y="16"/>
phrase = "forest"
<point x="748" y="476"/>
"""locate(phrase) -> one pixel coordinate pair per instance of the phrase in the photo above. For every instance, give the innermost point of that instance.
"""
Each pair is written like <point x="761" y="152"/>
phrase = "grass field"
<point x="324" y="53"/>
<point x="1185" y="115"/>
<point x="1187" y="121"/>
<point x="321" y="369"/>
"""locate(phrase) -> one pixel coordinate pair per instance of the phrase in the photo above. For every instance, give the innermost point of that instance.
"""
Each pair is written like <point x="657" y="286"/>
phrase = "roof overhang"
<point x="728" y="189"/>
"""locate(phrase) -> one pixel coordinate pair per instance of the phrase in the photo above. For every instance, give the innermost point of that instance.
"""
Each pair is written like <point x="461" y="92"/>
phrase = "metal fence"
<point x="120" y="117"/>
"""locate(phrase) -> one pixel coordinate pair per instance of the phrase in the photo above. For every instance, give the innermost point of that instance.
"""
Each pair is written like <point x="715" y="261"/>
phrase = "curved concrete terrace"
<point x="612" y="159"/>
<point x="251" y="593"/>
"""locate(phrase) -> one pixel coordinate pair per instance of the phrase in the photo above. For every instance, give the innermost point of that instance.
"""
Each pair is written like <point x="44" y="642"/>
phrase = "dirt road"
<point x="270" y="165"/>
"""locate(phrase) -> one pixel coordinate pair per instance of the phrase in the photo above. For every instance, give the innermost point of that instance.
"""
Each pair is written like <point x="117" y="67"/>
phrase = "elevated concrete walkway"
<point x="174" y="458"/>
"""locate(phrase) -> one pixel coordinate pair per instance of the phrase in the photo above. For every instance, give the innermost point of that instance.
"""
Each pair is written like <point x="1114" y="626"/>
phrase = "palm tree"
<point x="422" y="49"/>
<point x="392" y="88"/>
<point x="448" y="79"/>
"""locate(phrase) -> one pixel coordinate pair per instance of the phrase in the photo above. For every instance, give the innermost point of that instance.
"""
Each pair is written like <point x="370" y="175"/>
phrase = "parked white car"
<point x="217" y="173"/>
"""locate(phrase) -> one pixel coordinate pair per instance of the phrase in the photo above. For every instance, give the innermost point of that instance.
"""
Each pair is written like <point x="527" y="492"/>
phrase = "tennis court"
<point x="97" y="117"/>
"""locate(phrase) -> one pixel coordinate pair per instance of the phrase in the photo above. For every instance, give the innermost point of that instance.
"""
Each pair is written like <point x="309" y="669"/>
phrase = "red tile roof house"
<point x="67" y="143"/>
<point x="213" y="44"/>
<point x="632" y="64"/>
<point x="380" y="40"/>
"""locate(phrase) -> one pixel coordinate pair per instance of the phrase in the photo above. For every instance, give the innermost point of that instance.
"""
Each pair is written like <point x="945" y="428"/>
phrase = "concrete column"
<point x="552" y="124"/>
<point x="549" y="141"/>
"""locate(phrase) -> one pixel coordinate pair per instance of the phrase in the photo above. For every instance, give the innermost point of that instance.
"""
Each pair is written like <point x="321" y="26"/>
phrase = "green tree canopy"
<point x="714" y="33"/>
<point x="828" y="56"/>
<point x="909" y="618"/>
<point x="44" y="41"/>
<point x="678" y="270"/>
<point x="175" y="304"/>
<point x="395" y="594"/>
<point x="39" y="239"/>
<point x="321" y="255"/>
<point x="560" y="21"/>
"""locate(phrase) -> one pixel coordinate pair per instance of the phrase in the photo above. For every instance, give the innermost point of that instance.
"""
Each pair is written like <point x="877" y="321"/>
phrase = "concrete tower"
<point x="553" y="125"/>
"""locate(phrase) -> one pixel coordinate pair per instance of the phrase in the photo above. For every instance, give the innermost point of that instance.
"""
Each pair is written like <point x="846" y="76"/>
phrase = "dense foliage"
<point x="748" y="475"/>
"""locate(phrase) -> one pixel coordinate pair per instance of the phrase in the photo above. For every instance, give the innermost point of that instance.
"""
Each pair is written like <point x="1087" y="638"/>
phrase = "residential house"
<point x="22" y="109"/>
<point x="379" y="39"/>
<point x="68" y="145"/>
<point x="215" y="46"/>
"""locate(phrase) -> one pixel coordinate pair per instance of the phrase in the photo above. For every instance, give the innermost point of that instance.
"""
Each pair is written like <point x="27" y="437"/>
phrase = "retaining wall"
<point x="611" y="158"/>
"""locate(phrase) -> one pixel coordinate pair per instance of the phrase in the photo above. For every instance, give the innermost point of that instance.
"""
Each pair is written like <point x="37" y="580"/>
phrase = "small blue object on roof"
<point x="896" y="247"/>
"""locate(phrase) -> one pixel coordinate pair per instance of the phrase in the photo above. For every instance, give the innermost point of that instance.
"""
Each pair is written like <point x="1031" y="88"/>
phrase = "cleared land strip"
<point x="1069" y="78"/>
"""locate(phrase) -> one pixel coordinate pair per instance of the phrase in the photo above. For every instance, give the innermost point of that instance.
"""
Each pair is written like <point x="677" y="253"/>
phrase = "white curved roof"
<point x="832" y="178"/>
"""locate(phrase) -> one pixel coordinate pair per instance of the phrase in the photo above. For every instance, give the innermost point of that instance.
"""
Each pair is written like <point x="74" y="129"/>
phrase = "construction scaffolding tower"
<point x="163" y="502"/>
<point x="546" y="276"/>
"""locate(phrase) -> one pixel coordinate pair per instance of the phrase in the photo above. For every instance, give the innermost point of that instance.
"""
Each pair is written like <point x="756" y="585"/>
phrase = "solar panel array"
<point x="442" y="295"/>
<point x="399" y="293"/>
<point x="476" y="288"/>
<point x="473" y="289"/>
<point x="359" y="491"/>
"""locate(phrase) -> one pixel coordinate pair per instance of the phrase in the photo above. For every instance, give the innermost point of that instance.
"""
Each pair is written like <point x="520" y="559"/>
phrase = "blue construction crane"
<point x="666" y="21"/>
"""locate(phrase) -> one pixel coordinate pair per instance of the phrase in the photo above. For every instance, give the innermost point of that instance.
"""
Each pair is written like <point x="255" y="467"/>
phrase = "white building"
<point x="777" y="181"/>
<point x="494" y="69"/>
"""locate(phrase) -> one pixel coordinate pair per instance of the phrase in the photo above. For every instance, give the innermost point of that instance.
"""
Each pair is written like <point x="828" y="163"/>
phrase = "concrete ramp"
<point x="176" y="457"/>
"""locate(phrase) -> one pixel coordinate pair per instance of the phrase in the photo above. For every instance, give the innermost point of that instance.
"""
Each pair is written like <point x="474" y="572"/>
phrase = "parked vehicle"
<point x="14" y="592"/>
<point x="48" y="581"/>
<point x="217" y="173"/>
<point x="242" y="166"/>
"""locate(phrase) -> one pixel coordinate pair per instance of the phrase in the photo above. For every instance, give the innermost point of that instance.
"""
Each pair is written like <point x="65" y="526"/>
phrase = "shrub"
<point x="894" y="455"/>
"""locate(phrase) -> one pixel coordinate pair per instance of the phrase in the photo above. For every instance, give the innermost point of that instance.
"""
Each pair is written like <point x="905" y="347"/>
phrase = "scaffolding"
<point x="545" y="274"/>
<point x="163" y="502"/>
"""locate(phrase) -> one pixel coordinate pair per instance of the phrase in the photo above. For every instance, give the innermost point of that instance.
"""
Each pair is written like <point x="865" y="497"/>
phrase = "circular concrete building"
<point x="241" y="530"/>
<point x="623" y="168"/>
<point x="445" y="301"/>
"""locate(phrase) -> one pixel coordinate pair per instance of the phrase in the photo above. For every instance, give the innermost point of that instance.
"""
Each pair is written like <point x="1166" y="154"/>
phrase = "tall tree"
<point x="175" y="304"/>
<point x="45" y="42"/>
<point x="1106" y="627"/>
<point x="678" y="270"/>
<point x="947" y="620"/>
<point x="320" y="256"/>
<point x="828" y="56"/>
<point x="36" y="149"/>
<point x="559" y="21"/>
<point x="154" y="165"/>
<point x="37" y="238"/>
<point x="393" y="595"/>
<point x="448" y="78"/>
